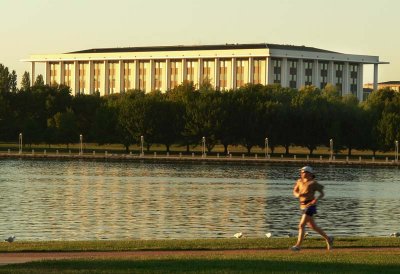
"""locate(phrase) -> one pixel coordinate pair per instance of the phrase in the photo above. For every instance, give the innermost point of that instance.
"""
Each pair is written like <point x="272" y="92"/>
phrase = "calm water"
<point x="77" y="200"/>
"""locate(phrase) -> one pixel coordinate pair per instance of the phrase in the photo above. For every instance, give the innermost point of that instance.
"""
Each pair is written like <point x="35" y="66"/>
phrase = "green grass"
<point x="268" y="262"/>
<point x="197" y="244"/>
<point x="274" y="256"/>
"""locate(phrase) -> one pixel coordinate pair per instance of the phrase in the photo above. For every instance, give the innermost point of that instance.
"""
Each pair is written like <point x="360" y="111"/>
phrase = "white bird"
<point x="306" y="234"/>
<point x="268" y="235"/>
<point x="10" y="239"/>
<point x="395" y="234"/>
<point x="238" y="235"/>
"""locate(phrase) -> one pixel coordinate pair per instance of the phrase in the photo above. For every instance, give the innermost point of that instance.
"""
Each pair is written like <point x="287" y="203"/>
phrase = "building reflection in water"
<point x="100" y="200"/>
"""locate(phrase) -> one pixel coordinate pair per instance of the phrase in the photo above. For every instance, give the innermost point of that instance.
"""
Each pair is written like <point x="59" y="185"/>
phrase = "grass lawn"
<point x="273" y="257"/>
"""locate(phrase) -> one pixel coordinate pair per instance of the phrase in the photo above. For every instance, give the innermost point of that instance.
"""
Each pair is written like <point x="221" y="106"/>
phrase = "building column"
<point x="284" y="73"/>
<point x="168" y="73"/>
<point x="300" y="74"/>
<point x="184" y="70"/>
<point x="331" y="73"/>
<point x="375" y="77"/>
<point x="216" y="73"/>
<point x="76" y="77"/>
<point x="346" y="78"/>
<point x="251" y="70"/>
<point x="122" y="76"/>
<point x="360" y="76"/>
<point x="91" y="77"/>
<point x="200" y="71"/>
<point x="152" y="72"/>
<point x="136" y="82"/>
<point x="316" y="74"/>
<point x="47" y="74"/>
<point x="62" y="73"/>
<point x="33" y="69"/>
<point x="106" y="78"/>
<point x="233" y="73"/>
<point x="268" y="71"/>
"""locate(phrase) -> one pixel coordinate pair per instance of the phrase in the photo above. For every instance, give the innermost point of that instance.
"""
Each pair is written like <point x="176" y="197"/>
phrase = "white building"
<point x="114" y="70"/>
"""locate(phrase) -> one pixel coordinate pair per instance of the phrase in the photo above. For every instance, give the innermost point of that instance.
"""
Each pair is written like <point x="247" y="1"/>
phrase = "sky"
<point x="366" y="27"/>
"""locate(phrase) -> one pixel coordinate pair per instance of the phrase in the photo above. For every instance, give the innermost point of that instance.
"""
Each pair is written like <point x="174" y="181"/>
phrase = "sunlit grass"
<point x="261" y="262"/>
<point x="199" y="244"/>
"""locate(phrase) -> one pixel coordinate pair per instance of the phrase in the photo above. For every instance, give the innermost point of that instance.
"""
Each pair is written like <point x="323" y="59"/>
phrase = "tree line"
<point x="308" y="117"/>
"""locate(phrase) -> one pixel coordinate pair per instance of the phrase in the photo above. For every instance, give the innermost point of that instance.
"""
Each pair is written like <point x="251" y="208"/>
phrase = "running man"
<point x="305" y="189"/>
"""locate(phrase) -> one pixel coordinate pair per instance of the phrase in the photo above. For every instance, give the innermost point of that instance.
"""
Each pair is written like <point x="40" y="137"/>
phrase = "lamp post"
<point x="203" y="147"/>
<point x="141" y="145"/>
<point x="397" y="151"/>
<point x="331" y="148"/>
<point x="20" y="143"/>
<point x="266" y="148"/>
<point x="81" y="147"/>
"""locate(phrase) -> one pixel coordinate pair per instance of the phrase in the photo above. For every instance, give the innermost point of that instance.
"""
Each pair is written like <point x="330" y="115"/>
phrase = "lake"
<point x="90" y="200"/>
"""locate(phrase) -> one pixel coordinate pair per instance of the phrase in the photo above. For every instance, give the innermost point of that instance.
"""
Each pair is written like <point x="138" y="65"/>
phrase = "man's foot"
<point x="329" y="243"/>
<point x="295" y="248"/>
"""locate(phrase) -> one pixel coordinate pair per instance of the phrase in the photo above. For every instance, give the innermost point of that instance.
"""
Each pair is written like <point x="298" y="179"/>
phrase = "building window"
<point x="257" y="71"/>
<point x="207" y="70"/>
<point x="239" y="73"/>
<point x="128" y="75"/>
<point x="292" y="73"/>
<point x="174" y="72"/>
<point x="157" y="75"/>
<point x="67" y="74"/>
<point x="190" y="70"/>
<point x="142" y="76"/>
<point x="223" y="74"/>
<point x="53" y="73"/>
<point x="277" y="67"/>
<point x="111" y="76"/>
<point x="82" y="75"/>
<point x="96" y="76"/>
<point x="323" y="74"/>
<point x="353" y="78"/>
<point x="339" y="77"/>
<point x="308" y="67"/>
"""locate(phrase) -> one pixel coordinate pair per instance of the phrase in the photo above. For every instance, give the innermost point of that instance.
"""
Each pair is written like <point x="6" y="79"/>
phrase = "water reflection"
<point x="56" y="200"/>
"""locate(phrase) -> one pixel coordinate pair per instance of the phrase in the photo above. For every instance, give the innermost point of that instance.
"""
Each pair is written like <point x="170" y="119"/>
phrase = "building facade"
<point x="230" y="66"/>
<point x="392" y="85"/>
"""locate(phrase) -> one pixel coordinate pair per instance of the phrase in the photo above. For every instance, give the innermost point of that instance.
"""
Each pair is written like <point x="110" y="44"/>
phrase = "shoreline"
<point x="200" y="159"/>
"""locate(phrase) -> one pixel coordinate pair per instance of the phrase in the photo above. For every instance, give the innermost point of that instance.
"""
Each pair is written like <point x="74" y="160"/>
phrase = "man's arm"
<point x="296" y="190"/>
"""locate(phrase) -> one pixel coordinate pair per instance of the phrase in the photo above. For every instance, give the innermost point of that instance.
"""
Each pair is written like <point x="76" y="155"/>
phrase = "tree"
<point x="5" y="79"/>
<point x="39" y="80"/>
<point x="65" y="127"/>
<point x="13" y="81"/>
<point x="26" y="81"/>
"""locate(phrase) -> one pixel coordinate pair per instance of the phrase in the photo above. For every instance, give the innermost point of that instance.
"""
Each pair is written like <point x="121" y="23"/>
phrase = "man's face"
<point x="305" y="175"/>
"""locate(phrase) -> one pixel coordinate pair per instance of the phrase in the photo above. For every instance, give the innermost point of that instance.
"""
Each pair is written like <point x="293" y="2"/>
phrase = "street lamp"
<point x="331" y="147"/>
<point x="141" y="145"/>
<point x="266" y="147"/>
<point x="20" y="143"/>
<point x="397" y="150"/>
<point x="203" y="149"/>
<point x="81" y="147"/>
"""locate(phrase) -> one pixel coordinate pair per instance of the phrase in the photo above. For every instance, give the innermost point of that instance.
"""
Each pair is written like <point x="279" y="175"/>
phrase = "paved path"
<point x="24" y="257"/>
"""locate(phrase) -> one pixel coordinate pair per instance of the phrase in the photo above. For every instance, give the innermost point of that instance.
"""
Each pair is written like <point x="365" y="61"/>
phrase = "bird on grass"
<point x="268" y="235"/>
<point x="10" y="239"/>
<point x="238" y="235"/>
<point x="395" y="234"/>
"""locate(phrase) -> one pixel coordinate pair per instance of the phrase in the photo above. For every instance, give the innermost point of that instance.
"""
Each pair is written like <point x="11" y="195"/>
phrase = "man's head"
<point x="307" y="172"/>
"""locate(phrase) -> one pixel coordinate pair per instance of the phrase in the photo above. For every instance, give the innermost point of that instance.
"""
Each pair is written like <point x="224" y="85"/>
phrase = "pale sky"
<point x="366" y="27"/>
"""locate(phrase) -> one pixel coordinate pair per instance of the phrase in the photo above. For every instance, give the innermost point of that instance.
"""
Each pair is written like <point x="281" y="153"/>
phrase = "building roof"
<point x="203" y="47"/>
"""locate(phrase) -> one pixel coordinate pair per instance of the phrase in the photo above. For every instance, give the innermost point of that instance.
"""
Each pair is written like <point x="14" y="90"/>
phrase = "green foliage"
<point x="26" y="81"/>
<point x="183" y="115"/>
<point x="39" y="81"/>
